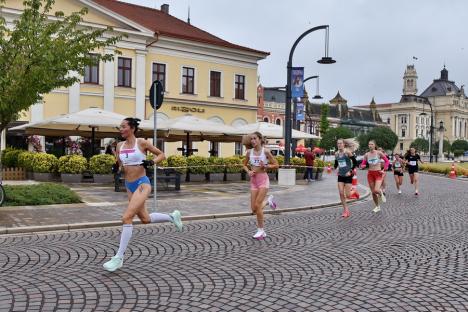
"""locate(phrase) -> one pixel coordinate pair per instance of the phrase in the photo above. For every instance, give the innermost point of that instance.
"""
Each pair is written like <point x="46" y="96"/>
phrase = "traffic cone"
<point x="354" y="194"/>
<point x="453" y="174"/>
<point x="329" y="170"/>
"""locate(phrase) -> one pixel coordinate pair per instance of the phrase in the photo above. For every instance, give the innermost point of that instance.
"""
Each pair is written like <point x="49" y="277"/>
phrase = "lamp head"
<point x="317" y="97"/>
<point x="326" y="60"/>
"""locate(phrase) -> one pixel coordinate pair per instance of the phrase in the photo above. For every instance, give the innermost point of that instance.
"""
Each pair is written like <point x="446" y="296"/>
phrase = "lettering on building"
<point x="185" y="109"/>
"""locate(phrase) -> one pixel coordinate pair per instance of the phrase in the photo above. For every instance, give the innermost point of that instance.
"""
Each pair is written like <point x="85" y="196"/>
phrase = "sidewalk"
<point x="103" y="207"/>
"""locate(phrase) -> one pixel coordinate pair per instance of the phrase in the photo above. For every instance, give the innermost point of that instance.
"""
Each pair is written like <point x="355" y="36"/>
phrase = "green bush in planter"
<point x="199" y="164"/>
<point x="25" y="160"/>
<point x="216" y="165"/>
<point x="233" y="164"/>
<point x="74" y="164"/>
<point x="297" y="161"/>
<point x="101" y="164"/>
<point x="44" y="163"/>
<point x="177" y="161"/>
<point x="10" y="158"/>
<point x="320" y="164"/>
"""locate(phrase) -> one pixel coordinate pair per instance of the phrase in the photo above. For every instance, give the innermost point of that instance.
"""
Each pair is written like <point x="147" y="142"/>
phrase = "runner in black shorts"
<point x="397" y="168"/>
<point x="412" y="159"/>
<point x="345" y="161"/>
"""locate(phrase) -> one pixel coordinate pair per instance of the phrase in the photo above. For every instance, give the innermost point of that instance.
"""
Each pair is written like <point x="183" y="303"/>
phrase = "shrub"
<point x="25" y="160"/>
<point x="297" y="161"/>
<point x="280" y="160"/>
<point x="39" y="194"/>
<point x="199" y="164"/>
<point x="44" y="163"/>
<point x="216" y="165"/>
<point x="101" y="164"/>
<point x="319" y="164"/>
<point x="233" y="164"/>
<point x="177" y="161"/>
<point x="74" y="164"/>
<point x="10" y="157"/>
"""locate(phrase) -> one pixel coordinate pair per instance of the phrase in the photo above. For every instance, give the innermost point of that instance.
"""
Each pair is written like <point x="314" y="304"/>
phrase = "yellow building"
<point x="203" y="75"/>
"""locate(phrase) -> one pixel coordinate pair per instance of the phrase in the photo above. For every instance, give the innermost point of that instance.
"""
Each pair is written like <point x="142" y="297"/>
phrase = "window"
<point x="265" y="119"/>
<point x="278" y="121"/>
<point x="91" y="72"/>
<point x="403" y="132"/>
<point x="188" y="80"/>
<point x="388" y="120"/>
<point x="124" y="72"/>
<point x="238" y="148"/>
<point x="215" y="84"/>
<point x="401" y="146"/>
<point x="240" y="87"/>
<point x="159" y="73"/>
<point x="214" y="148"/>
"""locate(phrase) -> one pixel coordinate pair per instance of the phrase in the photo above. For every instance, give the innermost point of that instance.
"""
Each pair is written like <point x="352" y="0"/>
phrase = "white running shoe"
<point x="271" y="202"/>
<point x="399" y="191"/>
<point x="383" y="199"/>
<point x="260" y="234"/>
<point x="113" y="264"/>
<point x="376" y="209"/>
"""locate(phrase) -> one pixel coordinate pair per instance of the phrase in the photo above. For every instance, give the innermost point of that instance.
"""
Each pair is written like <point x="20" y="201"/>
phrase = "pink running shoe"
<point x="271" y="202"/>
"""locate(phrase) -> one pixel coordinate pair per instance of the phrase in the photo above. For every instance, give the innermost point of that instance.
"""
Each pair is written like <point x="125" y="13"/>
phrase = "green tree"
<point x="420" y="144"/>
<point x="459" y="145"/>
<point x="446" y="149"/>
<point x="332" y="135"/>
<point x="363" y="140"/>
<point x="39" y="54"/>
<point x="324" y="124"/>
<point x="384" y="137"/>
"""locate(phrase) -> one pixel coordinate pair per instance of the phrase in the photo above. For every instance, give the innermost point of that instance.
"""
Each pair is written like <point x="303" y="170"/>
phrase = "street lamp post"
<point x="325" y="60"/>
<point x="431" y="131"/>
<point x="441" y="140"/>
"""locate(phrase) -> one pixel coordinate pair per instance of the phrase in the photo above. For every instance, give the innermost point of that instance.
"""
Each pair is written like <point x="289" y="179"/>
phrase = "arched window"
<point x="278" y="122"/>
<point x="265" y="119"/>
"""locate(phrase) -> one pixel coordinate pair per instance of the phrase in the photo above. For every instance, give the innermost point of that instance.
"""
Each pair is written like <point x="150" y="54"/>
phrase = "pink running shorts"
<point x="259" y="180"/>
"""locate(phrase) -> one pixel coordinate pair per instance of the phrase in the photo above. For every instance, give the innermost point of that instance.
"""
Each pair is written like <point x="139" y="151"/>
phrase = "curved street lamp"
<point x="431" y="132"/>
<point x="326" y="59"/>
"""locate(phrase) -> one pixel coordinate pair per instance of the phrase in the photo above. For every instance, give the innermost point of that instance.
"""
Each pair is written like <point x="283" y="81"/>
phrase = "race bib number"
<point x="397" y="165"/>
<point x="374" y="161"/>
<point x="342" y="163"/>
<point x="413" y="163"/>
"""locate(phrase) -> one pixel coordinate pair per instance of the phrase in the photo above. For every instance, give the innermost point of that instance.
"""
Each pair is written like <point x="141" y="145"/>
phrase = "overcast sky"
<point x="372" y="40"/>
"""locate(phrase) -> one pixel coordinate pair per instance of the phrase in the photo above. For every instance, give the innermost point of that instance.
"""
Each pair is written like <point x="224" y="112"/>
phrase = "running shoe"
<point x="271" y="202"/>
<point x="260" y="235"/>
<point x="346" y="214"/>
<point x="376" y="209"/>
<point x="399" y="191"/>
<point x="177" y="219"/>
<point x="416" y="193"/>
<point x="383" y="198"/>
<point x="113" y="264"/>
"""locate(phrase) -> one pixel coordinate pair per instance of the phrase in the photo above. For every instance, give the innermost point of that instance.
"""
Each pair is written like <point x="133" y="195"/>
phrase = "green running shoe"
<point x="177" y="220"/>
<point x="113" y="264"/>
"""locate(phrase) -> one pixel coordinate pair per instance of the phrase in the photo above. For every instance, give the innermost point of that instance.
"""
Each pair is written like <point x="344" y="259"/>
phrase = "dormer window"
<point x="434" y="89"/>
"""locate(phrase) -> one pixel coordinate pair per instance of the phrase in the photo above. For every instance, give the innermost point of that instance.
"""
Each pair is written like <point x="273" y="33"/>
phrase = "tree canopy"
<point x="332" y="135"/>
<point x="421" y="145"/>
<point x="39" y="54"/>
<point x="384" y="137"/>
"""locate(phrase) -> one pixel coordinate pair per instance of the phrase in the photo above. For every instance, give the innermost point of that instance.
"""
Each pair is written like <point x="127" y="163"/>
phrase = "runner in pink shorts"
<point x="258" y="159"/>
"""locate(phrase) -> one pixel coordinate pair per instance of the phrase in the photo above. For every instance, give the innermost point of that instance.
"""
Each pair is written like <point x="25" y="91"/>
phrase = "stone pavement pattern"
<point x="192" y="200"/>
<point x="410" y="257"/>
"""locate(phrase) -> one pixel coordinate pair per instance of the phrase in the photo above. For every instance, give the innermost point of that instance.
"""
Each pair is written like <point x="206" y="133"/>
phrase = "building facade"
<point x="271" y="104"/>
<point x="203" y="75"/>
<point x="410" y="118"/>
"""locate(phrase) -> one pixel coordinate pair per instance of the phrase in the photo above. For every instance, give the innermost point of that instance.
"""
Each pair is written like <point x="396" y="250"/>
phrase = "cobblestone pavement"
<point x="193" y="200"/>
<point x="410" y="257"/>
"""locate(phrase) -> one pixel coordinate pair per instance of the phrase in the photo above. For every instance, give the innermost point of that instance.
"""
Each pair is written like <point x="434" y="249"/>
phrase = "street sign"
<point x="156" y="95"/>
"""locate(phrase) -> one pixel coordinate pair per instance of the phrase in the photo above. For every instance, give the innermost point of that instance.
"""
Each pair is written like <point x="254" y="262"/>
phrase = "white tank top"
<point x="255" y="160"/>
<point x="131" y="156"/>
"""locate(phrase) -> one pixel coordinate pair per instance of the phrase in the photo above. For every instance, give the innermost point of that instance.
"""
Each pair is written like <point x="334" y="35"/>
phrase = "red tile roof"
<point x="167" y="25"/>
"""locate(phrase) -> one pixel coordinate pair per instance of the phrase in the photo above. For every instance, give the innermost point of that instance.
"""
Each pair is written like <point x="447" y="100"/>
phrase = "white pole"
<point x="155" y="142"/>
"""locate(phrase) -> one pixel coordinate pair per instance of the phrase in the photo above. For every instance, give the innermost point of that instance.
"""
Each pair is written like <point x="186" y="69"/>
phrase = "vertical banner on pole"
<point x="299" y="111"/>
<point x="156" y="97"/>
<point x="297" y="82"/>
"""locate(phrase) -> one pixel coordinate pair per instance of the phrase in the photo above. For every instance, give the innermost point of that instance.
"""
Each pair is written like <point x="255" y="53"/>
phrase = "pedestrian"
<point x="412" y="160"/>
<point x="131" y="155"/>
<point x="375" y="173"/>
<point x="309" y="160"/>
<point x="397" y="167"/>
<point x="257" y="160"/>
<point x="345" y="161"/>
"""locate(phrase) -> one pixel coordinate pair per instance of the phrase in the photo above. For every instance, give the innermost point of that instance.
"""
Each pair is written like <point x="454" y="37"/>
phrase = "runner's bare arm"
<point x="246" y="161"/>
<point x="147" y="146"/>
<point x="273" y="163"/>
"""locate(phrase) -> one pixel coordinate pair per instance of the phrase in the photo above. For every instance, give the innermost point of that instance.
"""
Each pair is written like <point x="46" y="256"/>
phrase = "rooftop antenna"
<point x="188" y="18"/>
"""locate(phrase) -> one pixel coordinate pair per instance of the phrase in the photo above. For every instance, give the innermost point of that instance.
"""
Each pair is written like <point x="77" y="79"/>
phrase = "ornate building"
<point x="410" y="118"/>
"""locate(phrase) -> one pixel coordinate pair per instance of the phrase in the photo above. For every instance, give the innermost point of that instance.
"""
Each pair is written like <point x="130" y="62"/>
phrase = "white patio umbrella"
<point x="273" y="131"/>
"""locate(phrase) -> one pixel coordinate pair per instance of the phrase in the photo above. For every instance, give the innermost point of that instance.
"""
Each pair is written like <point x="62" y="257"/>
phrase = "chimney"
<point x="165" y="8"/>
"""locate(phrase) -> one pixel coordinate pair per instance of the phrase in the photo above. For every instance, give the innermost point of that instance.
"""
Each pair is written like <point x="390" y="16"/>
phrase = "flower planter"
<point x="197" y="177"/>
<point x="71" y="177"/>
<point x="103" y="178"/>
<point x="29" y="175"/>
<point x="216" y="177"/>
<point x="299" y="175"/>
<point x="233" y="177"/>
<point x="43" y="176"/>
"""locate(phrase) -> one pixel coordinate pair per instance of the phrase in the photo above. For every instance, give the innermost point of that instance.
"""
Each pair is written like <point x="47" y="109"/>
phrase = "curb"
<point x="440" y="175"/>
<point x="103" y="224"/>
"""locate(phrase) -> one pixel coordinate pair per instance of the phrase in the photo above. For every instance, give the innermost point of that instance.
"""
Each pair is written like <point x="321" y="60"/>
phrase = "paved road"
<point x="410" y="257"/>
